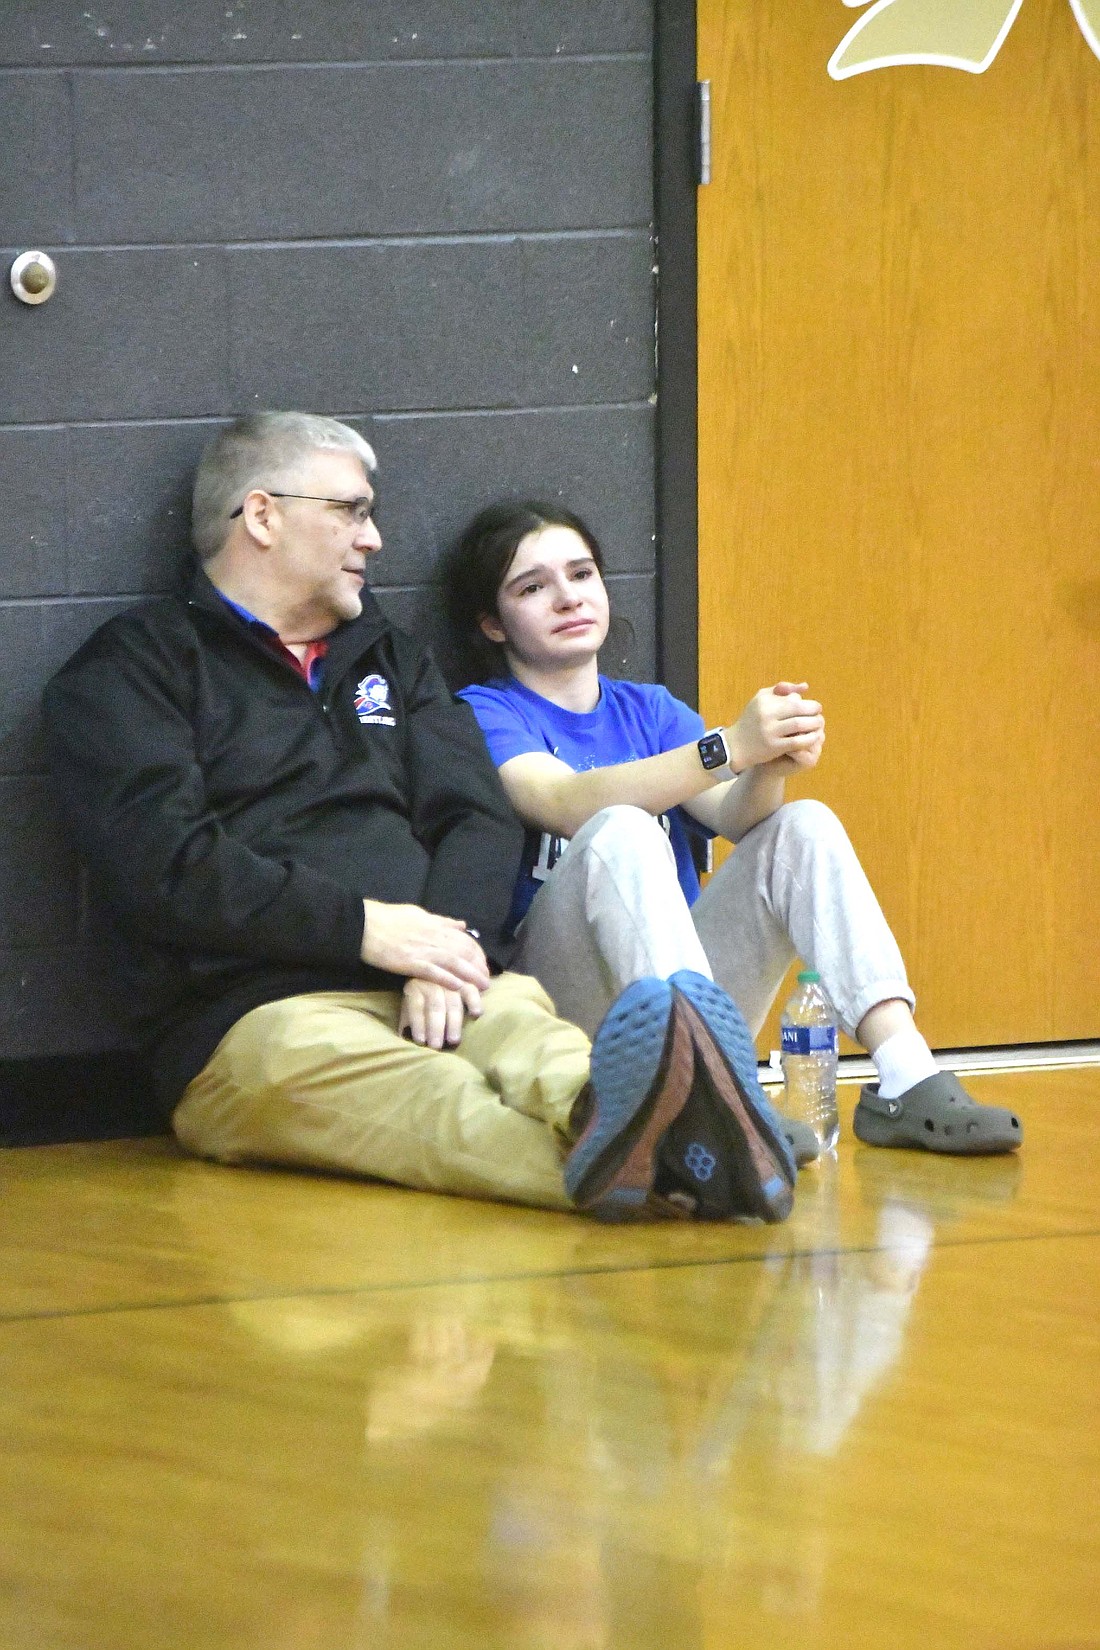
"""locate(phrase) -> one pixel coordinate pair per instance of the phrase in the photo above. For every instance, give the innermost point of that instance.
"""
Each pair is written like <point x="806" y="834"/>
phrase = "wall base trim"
<point x="976" y="1061"/>
<point x="58" y="1099"/>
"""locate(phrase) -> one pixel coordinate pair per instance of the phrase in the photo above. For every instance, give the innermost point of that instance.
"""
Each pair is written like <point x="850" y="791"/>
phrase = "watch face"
<point x="712" y="750"/>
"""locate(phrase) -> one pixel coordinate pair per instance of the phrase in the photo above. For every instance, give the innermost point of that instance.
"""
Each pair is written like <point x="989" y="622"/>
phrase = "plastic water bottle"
<point x="809" y="1032"/>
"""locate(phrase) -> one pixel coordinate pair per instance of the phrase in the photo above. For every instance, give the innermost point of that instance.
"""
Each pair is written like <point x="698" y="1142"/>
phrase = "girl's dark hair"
<point x="474" y="570"/>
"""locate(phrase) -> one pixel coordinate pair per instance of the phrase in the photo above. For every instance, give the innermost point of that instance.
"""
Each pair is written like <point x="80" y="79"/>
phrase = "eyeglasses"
<point x="360" y="510"/>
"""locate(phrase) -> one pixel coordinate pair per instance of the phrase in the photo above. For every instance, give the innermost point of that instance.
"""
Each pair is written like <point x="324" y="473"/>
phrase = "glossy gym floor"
<point x="253" y="1410"/>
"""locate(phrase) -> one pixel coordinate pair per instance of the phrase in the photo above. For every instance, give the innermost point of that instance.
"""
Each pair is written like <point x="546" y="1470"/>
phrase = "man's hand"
<point x="433" y="1016"/>
<point x="405" y="939"/>
<point x="778" y="725"/>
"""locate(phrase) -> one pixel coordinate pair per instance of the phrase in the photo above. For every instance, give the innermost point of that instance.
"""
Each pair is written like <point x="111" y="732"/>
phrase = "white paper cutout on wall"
<point x="949" y="34"/>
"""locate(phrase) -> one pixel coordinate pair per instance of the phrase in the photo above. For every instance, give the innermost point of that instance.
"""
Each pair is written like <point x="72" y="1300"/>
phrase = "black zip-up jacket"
<point x="233" y="820"/>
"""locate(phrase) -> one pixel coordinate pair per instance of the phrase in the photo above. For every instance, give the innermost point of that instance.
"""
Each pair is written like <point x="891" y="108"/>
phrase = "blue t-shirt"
<point x="632" y="720"/>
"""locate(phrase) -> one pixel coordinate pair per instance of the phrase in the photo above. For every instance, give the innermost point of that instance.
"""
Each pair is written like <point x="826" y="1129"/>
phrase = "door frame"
<point x="675" y="184"/>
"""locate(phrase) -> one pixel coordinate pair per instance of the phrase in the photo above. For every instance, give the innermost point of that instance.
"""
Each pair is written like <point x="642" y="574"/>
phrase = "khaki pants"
<point x="324" y="1081"/>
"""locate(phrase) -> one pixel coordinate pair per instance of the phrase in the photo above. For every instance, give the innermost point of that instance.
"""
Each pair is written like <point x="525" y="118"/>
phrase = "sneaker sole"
<point x="640" y="1073"/>
<point x="761" y="1152"/>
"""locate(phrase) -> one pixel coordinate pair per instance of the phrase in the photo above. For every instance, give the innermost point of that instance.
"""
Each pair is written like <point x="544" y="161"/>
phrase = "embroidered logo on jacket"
<point x="372" y="702"/>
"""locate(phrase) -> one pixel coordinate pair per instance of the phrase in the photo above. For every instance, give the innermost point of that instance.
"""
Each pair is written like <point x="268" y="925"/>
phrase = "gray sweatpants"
<point x="612" y="911"/>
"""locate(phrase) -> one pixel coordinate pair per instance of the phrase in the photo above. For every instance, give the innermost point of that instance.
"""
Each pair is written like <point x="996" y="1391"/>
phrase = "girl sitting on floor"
<point x="612" y="779"/>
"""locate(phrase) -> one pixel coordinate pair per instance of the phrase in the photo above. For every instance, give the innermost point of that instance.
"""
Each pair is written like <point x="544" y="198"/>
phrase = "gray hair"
<point x="263" y="449"/>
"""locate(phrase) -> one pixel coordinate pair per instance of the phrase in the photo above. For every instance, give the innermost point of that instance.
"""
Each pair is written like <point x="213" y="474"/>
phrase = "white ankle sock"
<point x="901" y="1061"/>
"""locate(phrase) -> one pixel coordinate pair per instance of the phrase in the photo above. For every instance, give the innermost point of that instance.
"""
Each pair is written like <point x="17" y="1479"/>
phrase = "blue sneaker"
<point x="757" y="1153"/>
<point x="640" y="1077"/>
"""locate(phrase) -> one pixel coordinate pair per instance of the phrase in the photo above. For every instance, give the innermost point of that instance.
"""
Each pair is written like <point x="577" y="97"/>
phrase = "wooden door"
<point x="900" y="478"/>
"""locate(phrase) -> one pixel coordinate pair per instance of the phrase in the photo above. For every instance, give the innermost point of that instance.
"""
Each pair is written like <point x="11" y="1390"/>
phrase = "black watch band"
<point x="713" y="750"/>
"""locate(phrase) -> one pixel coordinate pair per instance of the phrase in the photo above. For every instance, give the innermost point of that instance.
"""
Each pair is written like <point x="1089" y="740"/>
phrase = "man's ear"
<point x="490" y="626"/>
<point x="259" y="513"/>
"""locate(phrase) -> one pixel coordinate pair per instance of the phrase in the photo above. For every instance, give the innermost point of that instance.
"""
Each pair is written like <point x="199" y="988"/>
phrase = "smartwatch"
<point x="713" y="750"/>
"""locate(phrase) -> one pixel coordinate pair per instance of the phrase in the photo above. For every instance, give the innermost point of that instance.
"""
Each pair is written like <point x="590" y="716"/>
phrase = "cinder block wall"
<point x="431" y="217"/>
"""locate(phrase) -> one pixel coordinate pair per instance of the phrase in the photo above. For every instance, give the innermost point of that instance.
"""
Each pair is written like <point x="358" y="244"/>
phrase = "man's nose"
<point x="368" y="536"/>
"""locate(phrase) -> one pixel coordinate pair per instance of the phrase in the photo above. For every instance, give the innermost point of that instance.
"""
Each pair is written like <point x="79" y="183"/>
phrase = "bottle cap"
<point x="809" y="976"/>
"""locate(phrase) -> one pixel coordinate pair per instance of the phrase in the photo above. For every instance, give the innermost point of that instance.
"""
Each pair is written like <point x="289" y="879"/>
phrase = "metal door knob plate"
<point x="33" y="277"/>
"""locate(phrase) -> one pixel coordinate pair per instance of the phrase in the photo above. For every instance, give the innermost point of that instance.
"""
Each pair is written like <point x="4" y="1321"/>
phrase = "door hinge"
<point x="702" y="131"/>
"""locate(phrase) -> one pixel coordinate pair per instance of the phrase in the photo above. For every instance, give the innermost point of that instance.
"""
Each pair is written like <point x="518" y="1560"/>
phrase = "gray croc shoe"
<point x="936" y="1115"/>
<point x="801" y="1139"/>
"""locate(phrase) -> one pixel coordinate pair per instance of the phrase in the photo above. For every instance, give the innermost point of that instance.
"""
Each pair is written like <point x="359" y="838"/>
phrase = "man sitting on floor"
<point x="304" y="849"/>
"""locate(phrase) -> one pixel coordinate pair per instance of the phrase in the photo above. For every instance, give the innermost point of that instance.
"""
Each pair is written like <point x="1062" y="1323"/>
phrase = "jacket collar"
<point x="345" y="643"/>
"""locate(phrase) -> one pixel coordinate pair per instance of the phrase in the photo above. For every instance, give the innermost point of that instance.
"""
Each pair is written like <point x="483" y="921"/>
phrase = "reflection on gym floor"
<point x="266" y="1411"/>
